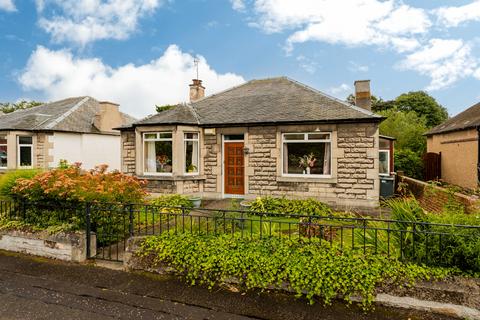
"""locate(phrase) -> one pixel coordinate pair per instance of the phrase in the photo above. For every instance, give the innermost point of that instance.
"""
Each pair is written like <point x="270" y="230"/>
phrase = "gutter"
<point x="255" y="124"/>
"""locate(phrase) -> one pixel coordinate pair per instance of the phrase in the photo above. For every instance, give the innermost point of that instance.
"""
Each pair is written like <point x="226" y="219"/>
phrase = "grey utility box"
<point x="387" y="186"/>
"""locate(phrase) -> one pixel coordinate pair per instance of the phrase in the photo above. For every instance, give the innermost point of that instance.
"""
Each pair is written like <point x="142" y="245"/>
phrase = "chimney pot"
<point x="363" y="97"/>
<point x="197" y="91"/>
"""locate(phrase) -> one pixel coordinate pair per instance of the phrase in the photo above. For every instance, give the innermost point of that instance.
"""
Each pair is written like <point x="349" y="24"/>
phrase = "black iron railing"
<point x="113" y="224"/>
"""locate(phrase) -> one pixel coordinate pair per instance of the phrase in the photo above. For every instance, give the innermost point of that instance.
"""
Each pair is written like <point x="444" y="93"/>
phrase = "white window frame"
<point x="19" y="145"/>
<point x="185" y="172"/>
<point x="306" y="140"/>
<point x="4" y="145"/>
<point x="144" y="139"/>
<point x="388" y="161"/>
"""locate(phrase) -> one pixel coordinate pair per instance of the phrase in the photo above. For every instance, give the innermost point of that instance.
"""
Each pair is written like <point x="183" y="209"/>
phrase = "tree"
<point x="419" y="102"/>
<point x="8" y="107"/>
<point x="423" y="105"/>
<point x="164" y="107"/>
<point x="407" y="127"/>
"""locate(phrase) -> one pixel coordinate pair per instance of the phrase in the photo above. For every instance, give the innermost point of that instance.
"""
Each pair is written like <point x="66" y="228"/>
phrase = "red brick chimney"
<point x="197" y="91"/>
<point x="363" y="97"/>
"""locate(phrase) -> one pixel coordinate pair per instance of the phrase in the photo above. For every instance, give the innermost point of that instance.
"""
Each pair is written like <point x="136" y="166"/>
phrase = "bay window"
<point x="191" y="153"/>
<point x="306" y="154"/>
<point x="3" y="152"/>
<point x="24" y="151"/>
<point x="158" y="153"/>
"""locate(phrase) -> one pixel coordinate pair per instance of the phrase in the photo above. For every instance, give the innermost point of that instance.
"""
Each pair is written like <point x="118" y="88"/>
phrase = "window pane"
<point x="306" y="158"/>
<point x="191" y="156"/>
<point x="384" y="163"/>
<point x="233" y="137"/>
<point x="294" y="136"/>
<point x="158" y="156"/>
<point x="150" y="136"/>
<point x="165" y="135"/>
<point x="25" y="156"/>
<point x="318" y="136"/>
<point x="3" y="156"/>
<point x="3" y="140"/>
<point x="191" y="135"/>
<point x="25" y="140"/>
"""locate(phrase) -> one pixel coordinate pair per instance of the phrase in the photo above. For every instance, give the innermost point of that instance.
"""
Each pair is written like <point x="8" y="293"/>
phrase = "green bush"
<point x="172" y="203"/>
<point x="308" y="207"/>
<point x="409" y="162"/>
<point x="435" y="244"/>
<point x="9" y="180"/>
<point x="308" y="268"/>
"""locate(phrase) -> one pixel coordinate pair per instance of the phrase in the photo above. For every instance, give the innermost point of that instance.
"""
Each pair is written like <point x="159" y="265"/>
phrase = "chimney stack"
<point x="197" y="91"/>
<point x="363" y="98"/>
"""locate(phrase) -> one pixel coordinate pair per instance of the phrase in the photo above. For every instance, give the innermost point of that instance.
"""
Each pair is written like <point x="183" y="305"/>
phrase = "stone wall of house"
<point x="128" y="152"/>
<point x="42" y="153"/>
<point x="190" y="187"/>
<point x="354" y="181"/>
<point x="211" y="148"/>
<point x="161" y="186"/>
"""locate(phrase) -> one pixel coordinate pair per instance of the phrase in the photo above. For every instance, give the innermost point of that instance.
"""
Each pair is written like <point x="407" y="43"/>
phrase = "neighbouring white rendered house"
<point x="75" y="129"/>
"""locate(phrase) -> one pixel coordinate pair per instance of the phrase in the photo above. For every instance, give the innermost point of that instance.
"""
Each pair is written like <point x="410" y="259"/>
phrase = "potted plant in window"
<point x="192" y="168"/>
<point x="307" y="162"/>
<point x="162" y="160"/>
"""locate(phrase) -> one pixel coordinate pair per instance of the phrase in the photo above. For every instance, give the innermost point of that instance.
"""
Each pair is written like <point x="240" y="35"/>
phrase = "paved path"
<point x="32" y="288"/>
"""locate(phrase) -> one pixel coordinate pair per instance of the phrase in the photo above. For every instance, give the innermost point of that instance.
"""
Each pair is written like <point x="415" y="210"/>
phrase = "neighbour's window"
<point x="307" y="153"/>
<point x="3" y="151"/>
<point x="25" y="152"/>
<point x="191" y="152"/>
<point x="158" y="155"/>
<point x="384" y="160"/>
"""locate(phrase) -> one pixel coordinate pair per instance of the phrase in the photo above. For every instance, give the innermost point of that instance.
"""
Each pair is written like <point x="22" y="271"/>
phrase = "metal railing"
<point x="113" y="224"/>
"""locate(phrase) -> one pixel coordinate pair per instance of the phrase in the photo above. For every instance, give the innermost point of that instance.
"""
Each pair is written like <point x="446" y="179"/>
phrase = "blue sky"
<point x="140" y="52"/>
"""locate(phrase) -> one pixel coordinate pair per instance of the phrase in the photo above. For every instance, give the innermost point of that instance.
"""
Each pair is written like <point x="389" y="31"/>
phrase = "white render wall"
<point x="89" y="149"/>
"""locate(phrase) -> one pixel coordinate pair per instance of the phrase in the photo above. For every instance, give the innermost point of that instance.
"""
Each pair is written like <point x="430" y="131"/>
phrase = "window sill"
<point x="172" y="178"/>
<point x="307" y="179"/>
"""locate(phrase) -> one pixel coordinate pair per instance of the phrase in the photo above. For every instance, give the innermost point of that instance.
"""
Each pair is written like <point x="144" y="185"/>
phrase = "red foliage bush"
<point x="72" y="184"/>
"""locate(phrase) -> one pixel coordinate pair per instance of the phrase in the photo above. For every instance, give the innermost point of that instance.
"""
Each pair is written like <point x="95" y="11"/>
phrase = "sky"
<point x="140" y="53"/>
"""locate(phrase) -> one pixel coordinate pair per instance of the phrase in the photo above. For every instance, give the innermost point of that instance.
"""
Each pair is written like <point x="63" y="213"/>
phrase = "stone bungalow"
<point x="266" y="137"/>
<point x="75" y="129"/>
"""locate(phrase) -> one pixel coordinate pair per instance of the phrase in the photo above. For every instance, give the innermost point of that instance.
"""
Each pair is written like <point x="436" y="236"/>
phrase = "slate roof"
<point x="267" y="101"/>
<point x="467" y="119"/>
<point x="68" y="115"/>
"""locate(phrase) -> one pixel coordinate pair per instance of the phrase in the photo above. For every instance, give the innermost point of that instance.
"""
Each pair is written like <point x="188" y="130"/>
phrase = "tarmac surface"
<point x="35" y="288"/>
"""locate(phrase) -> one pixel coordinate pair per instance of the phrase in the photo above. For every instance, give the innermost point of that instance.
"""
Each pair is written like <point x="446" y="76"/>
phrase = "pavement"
<point x="37" y="288"/>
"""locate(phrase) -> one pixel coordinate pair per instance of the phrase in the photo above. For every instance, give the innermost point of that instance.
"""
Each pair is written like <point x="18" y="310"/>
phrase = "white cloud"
<point x="355" y="67"/>
<point x="238" y="5"/>
<point x="454" y="16"/>
<point x="85" y="21"/>
<point x="365" y="22"/>
<point x="59" y="74"/>
<point x="307" y="64"/>
<point x="341" y="91"/>
<point x="444" y="61"/>
<point x="7" y="5"/>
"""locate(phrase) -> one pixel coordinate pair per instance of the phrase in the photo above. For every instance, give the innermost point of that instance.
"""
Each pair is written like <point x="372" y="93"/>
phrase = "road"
<point x="34" y="288"/>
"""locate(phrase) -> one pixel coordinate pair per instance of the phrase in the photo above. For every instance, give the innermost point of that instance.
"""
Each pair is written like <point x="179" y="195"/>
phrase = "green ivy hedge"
<point x="309" y="207"/>
<point x="310" y="269"/>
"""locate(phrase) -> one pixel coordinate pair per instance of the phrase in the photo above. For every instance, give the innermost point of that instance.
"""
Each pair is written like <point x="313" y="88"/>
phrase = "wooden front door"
<point x="234" y="168"/>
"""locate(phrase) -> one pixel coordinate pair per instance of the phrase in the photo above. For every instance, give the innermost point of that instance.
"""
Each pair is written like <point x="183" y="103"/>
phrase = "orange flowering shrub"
<point x="72" y="184"/>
